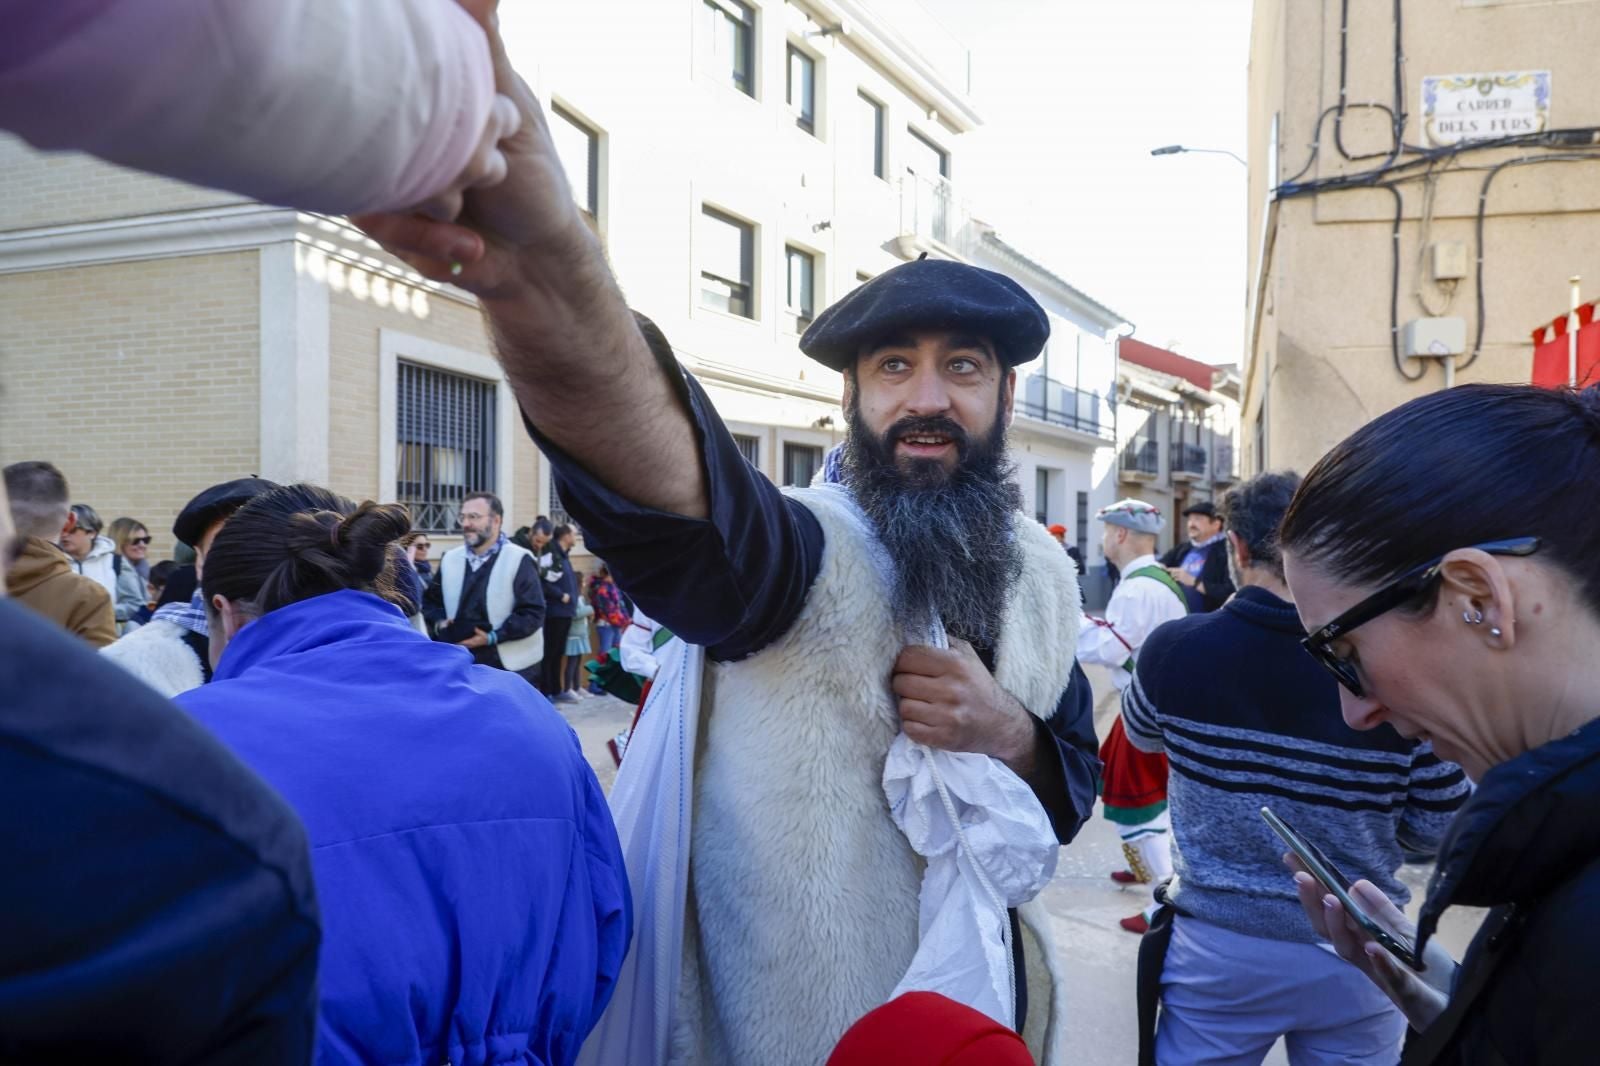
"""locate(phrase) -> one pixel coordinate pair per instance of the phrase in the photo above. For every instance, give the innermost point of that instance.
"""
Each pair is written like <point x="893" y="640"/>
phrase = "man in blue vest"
<point x="486" y="596"/>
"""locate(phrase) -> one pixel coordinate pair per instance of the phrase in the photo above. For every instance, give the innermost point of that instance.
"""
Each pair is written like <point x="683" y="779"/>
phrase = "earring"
<point x="1494" y="631"/>
<point x="1472" y="618"/>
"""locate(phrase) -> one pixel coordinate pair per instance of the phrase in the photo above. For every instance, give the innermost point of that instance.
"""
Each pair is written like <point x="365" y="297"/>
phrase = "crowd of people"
<point x="279" y="799"/>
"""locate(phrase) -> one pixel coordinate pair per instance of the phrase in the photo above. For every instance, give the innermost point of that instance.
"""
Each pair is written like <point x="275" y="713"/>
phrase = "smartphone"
<point x="1334" y="880"/>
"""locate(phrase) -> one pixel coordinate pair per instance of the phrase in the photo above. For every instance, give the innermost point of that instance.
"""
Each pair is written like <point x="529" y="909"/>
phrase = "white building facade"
<point x="747" y="162"/>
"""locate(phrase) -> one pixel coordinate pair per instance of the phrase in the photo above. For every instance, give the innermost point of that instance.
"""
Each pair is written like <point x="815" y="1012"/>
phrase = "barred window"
<point x="558" y="511"/>
<point x="800" y="464"/>
<point x="444" y="442"/>
<point x="749" y="447"/>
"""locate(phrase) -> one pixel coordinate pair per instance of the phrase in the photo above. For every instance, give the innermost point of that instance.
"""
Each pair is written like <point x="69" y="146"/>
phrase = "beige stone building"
<point x="1494" y="178"/>
<point x="156" y="338"/>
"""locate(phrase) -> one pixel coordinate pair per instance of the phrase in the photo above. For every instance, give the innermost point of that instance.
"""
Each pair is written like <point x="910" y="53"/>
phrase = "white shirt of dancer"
<point x="1137" y="606"/>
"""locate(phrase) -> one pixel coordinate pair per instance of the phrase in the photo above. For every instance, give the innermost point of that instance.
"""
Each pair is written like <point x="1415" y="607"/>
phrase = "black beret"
<point x="215" y="503"/>
<point x="1204" y="507"/>
<point x="930" y="294"/>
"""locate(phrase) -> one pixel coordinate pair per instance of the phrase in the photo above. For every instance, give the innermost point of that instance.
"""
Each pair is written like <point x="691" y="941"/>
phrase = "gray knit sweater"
<point x="1248" y="719"/>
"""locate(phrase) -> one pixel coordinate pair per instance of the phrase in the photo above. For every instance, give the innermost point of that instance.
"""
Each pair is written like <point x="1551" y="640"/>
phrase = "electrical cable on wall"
<point x="1426" y="165"/>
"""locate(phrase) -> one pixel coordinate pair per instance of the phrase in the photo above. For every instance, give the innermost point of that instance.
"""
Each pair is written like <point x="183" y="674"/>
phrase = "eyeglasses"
<point x="474" y="516"/>
<point x="138" y="540"/>
<point x="1403" y="589"/>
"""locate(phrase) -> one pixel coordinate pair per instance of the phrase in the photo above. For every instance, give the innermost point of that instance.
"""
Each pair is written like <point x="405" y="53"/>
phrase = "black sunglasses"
<point x="1403" y="589"/>
<point x="138" y="540"/>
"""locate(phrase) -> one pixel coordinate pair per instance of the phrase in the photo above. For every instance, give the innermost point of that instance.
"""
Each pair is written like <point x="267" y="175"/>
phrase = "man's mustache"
<point x="932" y="425"/>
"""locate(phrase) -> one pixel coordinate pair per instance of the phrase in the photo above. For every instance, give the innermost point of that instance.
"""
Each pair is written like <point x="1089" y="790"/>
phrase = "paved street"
<point x="1085" y="902"/>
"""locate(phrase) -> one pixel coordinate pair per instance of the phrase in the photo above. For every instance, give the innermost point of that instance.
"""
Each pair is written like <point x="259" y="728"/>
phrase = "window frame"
<point x="934" y="146"/>
<point x="817" y="451"/>
<point x="806" y="122"/>
<point x="747" y="255"/>
<point x="880" y="134"/>
<point x="743" y="16"/>
<point x="799" y="317"/>
<point x="590" y="205"/>
<point x="394" y="347"/>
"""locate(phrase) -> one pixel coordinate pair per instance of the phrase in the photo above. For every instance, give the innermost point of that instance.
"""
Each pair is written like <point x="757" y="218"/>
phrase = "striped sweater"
<point x="1248" y="719"/>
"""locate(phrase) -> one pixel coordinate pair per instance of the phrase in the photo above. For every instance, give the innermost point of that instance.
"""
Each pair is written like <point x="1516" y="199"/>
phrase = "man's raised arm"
<point x="570" y="347"/>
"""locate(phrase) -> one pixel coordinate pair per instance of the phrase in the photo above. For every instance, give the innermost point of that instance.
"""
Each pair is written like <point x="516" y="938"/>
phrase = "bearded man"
<point x="803" y="909"/>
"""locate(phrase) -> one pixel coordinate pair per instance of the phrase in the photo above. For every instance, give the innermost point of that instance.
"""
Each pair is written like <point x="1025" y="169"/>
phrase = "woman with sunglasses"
<point x="1445" y="559"/>
<point x="132" y="568"/>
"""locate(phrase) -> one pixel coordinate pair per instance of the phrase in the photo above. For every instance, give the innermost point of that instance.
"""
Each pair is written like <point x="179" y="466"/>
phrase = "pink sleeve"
<point x="329" y="105"/>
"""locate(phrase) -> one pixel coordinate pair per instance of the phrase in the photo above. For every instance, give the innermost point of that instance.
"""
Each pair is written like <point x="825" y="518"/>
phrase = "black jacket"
<point x="1214" y="576"/>
<point x="159" y="905"/>
<point x="559" y="581"/>
<point x="1528" y="845"/>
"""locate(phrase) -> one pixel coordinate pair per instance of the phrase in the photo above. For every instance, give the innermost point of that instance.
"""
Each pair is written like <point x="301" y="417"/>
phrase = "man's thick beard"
<point x="948" y="533"/>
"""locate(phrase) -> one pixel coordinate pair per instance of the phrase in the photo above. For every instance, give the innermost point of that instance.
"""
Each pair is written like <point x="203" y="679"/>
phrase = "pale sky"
<point x="1074" y="94"/>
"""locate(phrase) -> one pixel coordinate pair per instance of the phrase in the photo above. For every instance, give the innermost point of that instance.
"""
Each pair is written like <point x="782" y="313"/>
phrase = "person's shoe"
<point x="563" y="697"/>
<point x="1136" y="924"/>
<point x="1126" y="877"/>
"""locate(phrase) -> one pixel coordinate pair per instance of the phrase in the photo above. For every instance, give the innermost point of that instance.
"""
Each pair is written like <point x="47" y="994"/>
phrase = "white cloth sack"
<point x="651" y="802"/>
<point x="989" y="846"/>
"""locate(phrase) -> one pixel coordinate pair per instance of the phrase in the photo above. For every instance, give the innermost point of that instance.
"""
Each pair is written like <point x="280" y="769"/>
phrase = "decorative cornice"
<point x="233" y="228"/>
<point x="880" y="42"/>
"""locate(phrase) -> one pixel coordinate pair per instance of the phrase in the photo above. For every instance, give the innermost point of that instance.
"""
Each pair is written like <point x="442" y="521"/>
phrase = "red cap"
<point x="1058" y="529"/>
<point x="927" y="1029"/>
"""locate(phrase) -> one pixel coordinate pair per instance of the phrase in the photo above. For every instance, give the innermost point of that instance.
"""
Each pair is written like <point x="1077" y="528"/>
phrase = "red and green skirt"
<point x="1134" y="783"/>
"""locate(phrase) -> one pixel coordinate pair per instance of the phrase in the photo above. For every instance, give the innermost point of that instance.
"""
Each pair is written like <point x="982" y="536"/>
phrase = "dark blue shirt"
<point x="736" y="580"/>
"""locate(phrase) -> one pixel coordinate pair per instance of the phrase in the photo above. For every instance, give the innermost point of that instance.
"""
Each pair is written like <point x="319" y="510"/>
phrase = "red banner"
<point x="1550" y="350"/>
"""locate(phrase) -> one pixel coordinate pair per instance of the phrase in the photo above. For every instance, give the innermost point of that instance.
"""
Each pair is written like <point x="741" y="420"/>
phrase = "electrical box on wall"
<point x="1449" y="260"/>
<point x="1434" y="337"/>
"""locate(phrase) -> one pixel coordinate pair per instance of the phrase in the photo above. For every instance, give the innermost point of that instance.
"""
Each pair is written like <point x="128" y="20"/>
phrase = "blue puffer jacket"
<point x="475" y="907"/>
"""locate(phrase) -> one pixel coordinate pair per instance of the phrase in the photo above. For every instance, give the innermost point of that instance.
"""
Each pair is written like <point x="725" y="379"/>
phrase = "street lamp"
<point x="1175" y="149"/>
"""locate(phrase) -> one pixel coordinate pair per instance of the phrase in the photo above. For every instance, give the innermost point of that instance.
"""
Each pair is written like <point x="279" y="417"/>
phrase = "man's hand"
<point x="530" y="213"/>
<point x="479" y="639"/>
<point x="1181" y="576"/>
<point x="566" y="597"/>
<point x="948" y="699"/>
<point x="571" y="348"/>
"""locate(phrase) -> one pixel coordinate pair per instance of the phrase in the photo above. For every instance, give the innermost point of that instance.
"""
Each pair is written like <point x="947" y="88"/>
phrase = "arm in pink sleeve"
<point x="328" y="105"/>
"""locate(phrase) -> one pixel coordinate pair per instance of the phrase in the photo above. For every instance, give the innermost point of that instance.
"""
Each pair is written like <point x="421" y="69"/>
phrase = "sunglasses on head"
<point x="1403" y="589"/>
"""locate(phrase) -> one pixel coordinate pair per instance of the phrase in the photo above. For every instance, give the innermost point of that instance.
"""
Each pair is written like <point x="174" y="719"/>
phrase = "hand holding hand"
<point x="507" y="228"/>
<point x="1421" y="997"/>
<point x="479" y="639"/>
<point x="949" y="700"/>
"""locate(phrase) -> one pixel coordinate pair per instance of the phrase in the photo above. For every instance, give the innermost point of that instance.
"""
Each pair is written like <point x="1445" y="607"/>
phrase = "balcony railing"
<point x="1141" y="459"/>
<point x="929" y="210"/>
<point x="1188" y="460"/>
<point x="1223" y="460"/>
<point x="1049" y="400"/>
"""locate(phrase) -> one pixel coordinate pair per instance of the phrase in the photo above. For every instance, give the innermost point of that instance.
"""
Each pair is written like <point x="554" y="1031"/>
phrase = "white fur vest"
<point x="157" y="654"/>
<point x="803" y="903"/>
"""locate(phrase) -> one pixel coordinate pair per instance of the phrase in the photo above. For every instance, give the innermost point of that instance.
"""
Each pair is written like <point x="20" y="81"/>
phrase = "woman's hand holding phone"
<point x="1421" y="997"/>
